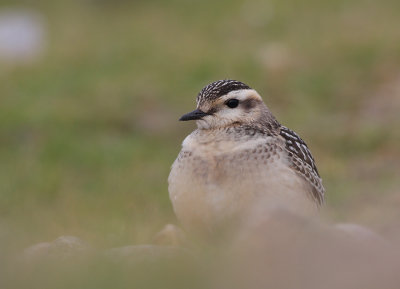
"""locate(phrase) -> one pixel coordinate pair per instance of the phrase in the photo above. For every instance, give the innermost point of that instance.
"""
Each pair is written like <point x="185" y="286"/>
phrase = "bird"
<point x="239" y="158"/>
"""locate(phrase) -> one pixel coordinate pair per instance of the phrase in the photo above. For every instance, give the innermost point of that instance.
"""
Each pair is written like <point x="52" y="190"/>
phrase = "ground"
<point x="89" y="130"/>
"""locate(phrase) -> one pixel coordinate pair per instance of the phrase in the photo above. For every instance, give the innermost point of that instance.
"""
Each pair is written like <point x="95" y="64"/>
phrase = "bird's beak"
<point x="195" y="114"/>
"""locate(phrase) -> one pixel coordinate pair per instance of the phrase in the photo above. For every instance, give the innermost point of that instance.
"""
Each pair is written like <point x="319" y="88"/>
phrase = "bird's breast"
<point x="211" y="182"/>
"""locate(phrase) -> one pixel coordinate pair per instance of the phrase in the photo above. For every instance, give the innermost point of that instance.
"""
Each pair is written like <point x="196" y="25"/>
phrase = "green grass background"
<point x="89" y="131"/>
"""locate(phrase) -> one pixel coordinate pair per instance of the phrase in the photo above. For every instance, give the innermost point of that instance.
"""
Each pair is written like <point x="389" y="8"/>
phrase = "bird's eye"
<point x="232" y="103"/>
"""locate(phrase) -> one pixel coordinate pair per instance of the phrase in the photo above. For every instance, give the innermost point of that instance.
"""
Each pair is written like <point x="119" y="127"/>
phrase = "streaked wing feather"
<point x="303" y="162"/>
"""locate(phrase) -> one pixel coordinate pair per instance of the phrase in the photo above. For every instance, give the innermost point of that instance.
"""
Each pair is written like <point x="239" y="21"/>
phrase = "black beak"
<point x="195" y="114"/>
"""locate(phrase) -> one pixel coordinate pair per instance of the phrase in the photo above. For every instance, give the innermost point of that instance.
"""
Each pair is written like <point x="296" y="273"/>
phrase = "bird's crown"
<point x="219" y="88"/>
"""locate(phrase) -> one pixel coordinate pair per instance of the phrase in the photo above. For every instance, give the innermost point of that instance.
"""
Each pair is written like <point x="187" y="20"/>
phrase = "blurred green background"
<point x="89" y="130"/>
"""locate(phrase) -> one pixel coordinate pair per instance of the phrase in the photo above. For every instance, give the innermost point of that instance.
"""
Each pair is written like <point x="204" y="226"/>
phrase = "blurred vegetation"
<point x="89" y="130"/>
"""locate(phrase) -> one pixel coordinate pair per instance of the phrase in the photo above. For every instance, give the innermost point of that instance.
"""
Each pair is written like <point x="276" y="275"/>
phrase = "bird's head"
<point x="225" y="103"/>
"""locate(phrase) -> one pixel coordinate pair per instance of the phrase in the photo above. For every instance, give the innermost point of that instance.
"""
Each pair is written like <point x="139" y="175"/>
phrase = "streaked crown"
<point x="219" y="88"/>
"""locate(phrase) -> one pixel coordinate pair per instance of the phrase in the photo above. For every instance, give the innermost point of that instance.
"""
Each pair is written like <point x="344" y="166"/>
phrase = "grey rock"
<point x="143" y="253"/>
<point x="61" y="248"/>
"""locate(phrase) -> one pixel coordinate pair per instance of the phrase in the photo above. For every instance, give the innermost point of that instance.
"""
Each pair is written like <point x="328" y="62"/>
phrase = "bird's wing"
<point x="303" y="162"/>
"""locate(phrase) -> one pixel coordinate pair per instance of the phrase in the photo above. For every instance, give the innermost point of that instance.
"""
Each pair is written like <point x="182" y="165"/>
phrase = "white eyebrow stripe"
<point x="242" y="94"/>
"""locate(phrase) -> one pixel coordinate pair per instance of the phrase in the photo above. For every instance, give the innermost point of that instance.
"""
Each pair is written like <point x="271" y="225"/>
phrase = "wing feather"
<point x="303" y="162"/>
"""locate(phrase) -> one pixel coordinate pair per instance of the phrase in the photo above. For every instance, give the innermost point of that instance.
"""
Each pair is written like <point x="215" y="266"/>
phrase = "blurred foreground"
<point x="274" y="249"/>
<point x="88" y="122"/>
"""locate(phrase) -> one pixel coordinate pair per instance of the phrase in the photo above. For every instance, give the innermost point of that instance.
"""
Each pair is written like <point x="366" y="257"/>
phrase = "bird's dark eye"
<point x="232" y="103"/>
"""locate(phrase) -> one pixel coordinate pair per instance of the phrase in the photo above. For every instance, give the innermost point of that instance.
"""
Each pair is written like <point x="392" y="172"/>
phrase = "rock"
<point x="64" y="247"/>
<point x="73" y="249"/>
<point x="286" y="250"/>
<point x="146" y="253"/>
<point x="170" y="235"/>
<point x="360" y="234"/>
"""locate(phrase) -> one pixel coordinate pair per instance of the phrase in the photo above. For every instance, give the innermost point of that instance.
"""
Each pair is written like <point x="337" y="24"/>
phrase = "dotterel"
<point x="239" y="157"/>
